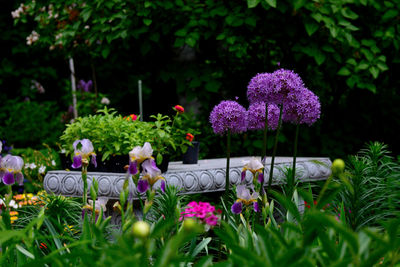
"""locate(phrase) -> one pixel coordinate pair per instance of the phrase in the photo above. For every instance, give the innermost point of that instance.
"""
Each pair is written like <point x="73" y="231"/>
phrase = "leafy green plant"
<point x="373" y="190"/>
<point x="109" y="133"/>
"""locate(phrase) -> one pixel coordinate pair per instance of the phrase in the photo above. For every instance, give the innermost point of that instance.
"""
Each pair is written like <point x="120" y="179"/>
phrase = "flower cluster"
<point x="203" y="211"/>
<point x="33" y="37"/>
<point x="85" y="86"/>
<point x="256" y="116"/>
<point x="189" y="137"/>
<point x="302" y="108"/>
<point x="131" y="117"/>
<point x="228" y="116"/>
<point x="142" y="156"/>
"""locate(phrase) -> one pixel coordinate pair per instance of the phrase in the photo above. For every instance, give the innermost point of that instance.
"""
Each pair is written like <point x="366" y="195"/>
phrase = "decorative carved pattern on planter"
<point x="206" y="176"/>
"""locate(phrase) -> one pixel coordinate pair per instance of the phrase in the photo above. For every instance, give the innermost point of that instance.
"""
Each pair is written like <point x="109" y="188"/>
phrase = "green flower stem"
<point x="296" y="138"/>
<point x="94" y="211"/>
<point x="228" y="154"/>
<point x="264" y="149"/>
<point x="141" y="206"/>
<point x="271" y="171"/>
<point x="85" y="184"/>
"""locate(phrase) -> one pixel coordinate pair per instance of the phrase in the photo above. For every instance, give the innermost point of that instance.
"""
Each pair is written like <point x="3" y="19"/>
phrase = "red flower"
<point x="179" y="108"/>
<point x="131" y="117"/>
<point x="43" y="245"/>
<point x="189" y="137"/>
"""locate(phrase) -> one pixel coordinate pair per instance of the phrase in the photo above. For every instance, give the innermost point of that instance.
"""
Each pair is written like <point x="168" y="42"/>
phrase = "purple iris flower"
<point x="10" y="170"/>
<point x="142" y="186"/>
<point x="83" y="149"/>
<point x="256" y="207"/>
<point x="237" y="207"/>
<point x="162" y="187"/>
<point x="133" y="167"/>
<point x="85" y="86"/>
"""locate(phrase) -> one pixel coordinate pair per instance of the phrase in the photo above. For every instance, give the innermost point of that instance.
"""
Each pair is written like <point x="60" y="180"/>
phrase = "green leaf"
<point x="201" y="246"/>
<point x="147" y="22"/>
<point x="190" y="41"/>
<point x="271" y="3"/>
<point x="351" y="61"/>
<point x="220" y="36"/>
<point x="297" y="4"/>
<point x="251" y="21"/>
<point x="348" y="13"/>
<point x="159" y="158"/>
<point x="344" y="71"/>
<point x="252" y="3"/>
<point x="382" y="66"/>
<point x="311" y="28"/>
<point x="213" y="86"/>
<point x="363" y="65"/>
<point x="105" y="52"/>
<point x="390" y="14"/>
<point x="374" y="71"/>
<point x="319" y="57"/>
<point x="181" y="32"/>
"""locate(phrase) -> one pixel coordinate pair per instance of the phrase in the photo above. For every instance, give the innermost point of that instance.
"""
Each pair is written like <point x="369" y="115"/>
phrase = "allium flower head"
<point x="83" y="150"/>
<point x="302" y="108"/>
<point x="284" y="83"/>
<point x="228" y="116"/>
<point x="257" y="90"/>
<point x="273" y="87"/>
<point x="203" y="211"/>
<point x="256" y="116"/>
<point x="10" y="170"/>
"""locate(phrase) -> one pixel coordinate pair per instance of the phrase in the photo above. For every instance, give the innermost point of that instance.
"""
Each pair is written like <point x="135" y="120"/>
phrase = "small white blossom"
<point x="33" y="37"/>
<point x="42" y="169"/>
<point x="32" y="166"/>
<point x="105" y="101"/>
<point x="17" y="13"/>
<point x="87" y="27"/>
<point x="53" y="162"/>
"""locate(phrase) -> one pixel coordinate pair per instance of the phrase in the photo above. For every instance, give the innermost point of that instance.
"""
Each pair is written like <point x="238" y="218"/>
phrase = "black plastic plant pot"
<point x="192" y="154"/>
<point x="112" y="164"/>
<point x="164" y="164"/>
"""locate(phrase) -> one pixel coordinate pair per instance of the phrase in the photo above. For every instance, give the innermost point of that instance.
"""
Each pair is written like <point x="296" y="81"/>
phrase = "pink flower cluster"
<point x="202" y="210"/>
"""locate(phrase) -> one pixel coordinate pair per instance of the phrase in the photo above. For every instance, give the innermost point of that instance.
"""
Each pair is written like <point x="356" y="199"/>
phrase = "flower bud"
<point x="141" y="229"/>
<point x="338" y="166"/>
<point x="190" y="225"/>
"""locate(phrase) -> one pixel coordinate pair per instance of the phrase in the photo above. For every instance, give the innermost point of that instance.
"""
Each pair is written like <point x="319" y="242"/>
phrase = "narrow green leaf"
<point x="201" y="246"/>
<point x="25" y="252"/>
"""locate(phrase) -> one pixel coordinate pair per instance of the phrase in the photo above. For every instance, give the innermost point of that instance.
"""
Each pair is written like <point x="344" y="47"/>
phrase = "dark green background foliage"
<point x="198" y="53"/>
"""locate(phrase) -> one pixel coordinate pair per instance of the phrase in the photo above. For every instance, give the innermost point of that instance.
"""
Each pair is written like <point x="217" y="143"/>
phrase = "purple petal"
<point x="237" y="207"/>
<point x="20" y="178"/>
<point x="142" y="186"/>
<point x="133" y="167"/>
<point x="94" y="161"/>
<point x="162" y="186"/>
<point x="243" y="175"/>
<point x="77" y="162"/>
<point x="8" y="178"/>
<point x="260" y="178"/>
<point x="256" y="207"/>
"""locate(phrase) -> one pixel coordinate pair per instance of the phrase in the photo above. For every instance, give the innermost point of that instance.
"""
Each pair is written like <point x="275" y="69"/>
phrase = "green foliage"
<point x="27" y="124"/>
<point x="372" y="194"/>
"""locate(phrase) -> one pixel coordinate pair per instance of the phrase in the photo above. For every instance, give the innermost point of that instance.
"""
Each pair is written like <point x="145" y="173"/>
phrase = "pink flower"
<point x="202" y="211"/>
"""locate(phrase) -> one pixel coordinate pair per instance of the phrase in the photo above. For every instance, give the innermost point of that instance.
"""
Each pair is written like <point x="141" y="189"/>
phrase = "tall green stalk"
<point x="264" y="149"/>
<point x="228" y="154"/>
<point x="271" y="171"/>
<point x="84" y="180"/>
<point x="296" y="137"/>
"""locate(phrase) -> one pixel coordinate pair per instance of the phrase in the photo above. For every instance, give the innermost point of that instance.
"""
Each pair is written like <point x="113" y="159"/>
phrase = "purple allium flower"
<point x="283" y="84"/>
<point x="273" y="87"/>
<point x="10" y="170"/>
<point x="302" y="108"/>
<point x="228" y="116"/>
<point x="257" y="90"/>
<point x="237" y="207"/>
<point x="256" y="116"/>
